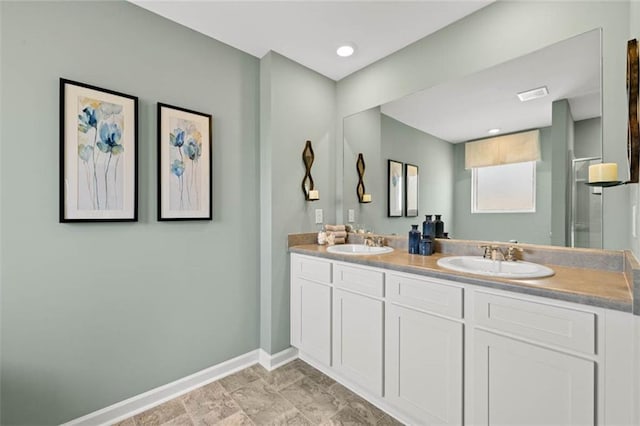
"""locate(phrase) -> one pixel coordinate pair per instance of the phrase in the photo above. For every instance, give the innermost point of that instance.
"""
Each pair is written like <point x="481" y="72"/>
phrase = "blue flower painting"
<point x="185" y="142"/>
<point x="100" y="147"/>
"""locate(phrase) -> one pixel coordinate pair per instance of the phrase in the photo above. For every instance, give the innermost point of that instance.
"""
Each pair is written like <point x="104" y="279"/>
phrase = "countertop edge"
<point x="596" y="301"/>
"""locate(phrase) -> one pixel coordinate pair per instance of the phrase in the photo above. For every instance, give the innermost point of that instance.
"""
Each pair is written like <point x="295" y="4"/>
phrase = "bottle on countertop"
<point x="414" y="240"/>
<point x="426" y="246"/>
<point x="322" y="236"/>
<point x="439" y="226"/>
<point x="428" y="227"/>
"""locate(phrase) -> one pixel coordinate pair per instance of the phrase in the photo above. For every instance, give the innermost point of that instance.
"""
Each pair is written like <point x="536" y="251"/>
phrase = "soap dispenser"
<point x="414" y="240"/>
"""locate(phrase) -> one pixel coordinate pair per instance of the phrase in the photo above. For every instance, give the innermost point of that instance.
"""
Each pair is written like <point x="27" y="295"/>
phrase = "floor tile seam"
<point x="239" y="411"/>
<point x="295" y="407"/>
<point x="268" y="386"/>
<point x="364" y="421"/>
<point x="293" y="383"/>
<point x="186" y="410"/>
<point x="347" y="403"/>
<point x="240" y="387"/>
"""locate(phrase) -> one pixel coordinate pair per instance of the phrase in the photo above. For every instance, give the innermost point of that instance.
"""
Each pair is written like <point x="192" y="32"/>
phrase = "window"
<point x="507" y="188"/>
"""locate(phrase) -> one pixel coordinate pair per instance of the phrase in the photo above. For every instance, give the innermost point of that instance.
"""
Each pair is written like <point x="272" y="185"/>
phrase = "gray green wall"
<point x="296" y="104"/>
<point x="363" y="134"/>
<point x="434" y="158"/>
<point x="533" y="228"/>
<point x="588" y="138"/>
<point x="96" y="313"/>
<point x="480" y="41"/>
<point x="380" y="138"/>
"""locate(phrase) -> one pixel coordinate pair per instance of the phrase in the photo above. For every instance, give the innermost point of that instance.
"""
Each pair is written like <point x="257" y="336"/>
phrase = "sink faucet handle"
<point x="511" y="253"/>
<point x="487" y="250"/>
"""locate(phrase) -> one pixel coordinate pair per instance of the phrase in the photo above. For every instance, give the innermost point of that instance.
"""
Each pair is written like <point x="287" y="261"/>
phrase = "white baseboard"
<point x="139" y="403"/>
<point x="271" y="362"/>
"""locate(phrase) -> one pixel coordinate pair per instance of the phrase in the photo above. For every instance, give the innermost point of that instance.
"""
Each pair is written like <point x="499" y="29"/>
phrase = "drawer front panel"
<point x="362" y="280"/>
<point x="311" y="269"/>
<point x="425" y="294"/>
<point x="549" y="324"/>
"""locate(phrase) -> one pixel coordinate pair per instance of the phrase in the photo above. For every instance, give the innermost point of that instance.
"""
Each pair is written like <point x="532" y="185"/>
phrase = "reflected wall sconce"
<point x="606" y="175"/>
<point x="362" y="196"/>
<point x="308" y="189"/>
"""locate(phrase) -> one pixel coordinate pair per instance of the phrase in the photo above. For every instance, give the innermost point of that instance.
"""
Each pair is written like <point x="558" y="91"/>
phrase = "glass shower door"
<point x="586" y="206"/>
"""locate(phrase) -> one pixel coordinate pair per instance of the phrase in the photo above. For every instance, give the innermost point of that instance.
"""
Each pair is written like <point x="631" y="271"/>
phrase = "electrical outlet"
<point x="352" y="215"/>
<point x="318" y="215"/>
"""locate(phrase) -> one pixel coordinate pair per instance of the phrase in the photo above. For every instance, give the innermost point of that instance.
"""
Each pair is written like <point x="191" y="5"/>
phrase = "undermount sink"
<point x="358" y="249"/>
<point x="494" y="268"/>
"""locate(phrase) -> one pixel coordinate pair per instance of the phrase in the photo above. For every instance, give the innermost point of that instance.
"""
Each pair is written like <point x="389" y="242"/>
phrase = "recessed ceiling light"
<point x="346" y="50"/>
<point x="493" y="131"/>
<point x="536" y="93"/>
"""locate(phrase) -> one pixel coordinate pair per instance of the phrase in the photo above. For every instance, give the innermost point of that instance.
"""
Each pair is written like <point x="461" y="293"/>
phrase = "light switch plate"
<point x="352" y="215"/>
<point x="318" y="215"/>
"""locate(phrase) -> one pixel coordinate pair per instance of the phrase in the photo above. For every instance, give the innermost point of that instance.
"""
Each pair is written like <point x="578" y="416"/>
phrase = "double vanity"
<point x="430" y="342"/>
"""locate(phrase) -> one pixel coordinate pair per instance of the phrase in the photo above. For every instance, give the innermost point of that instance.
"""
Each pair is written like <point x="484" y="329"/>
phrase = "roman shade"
<point x="508" y="149"/>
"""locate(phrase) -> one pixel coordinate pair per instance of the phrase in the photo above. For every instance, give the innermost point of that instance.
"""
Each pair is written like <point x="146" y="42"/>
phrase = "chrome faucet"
<point x="488" y="250"/>
<point x="494" y="252"/>
<point x="373" y="241"/>
<point x="511" y="253"/>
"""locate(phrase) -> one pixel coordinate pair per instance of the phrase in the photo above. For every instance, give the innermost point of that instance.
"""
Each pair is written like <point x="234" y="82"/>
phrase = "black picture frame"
<point x="194" y="150"/>
<point x="411" y="186"/>
<point x="97" y="126"/>
<point x="395" y="188"/>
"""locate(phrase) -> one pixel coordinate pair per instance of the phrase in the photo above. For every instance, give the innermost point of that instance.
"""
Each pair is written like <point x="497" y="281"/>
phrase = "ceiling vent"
<point x="532" y="94"/>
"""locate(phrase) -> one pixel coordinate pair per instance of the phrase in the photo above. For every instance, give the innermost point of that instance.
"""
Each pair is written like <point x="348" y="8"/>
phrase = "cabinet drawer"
<point x="564" y="327"/>
<point x="311" y="269"/>
<point x="425" y="294"/>
<point x="362" y="280"/>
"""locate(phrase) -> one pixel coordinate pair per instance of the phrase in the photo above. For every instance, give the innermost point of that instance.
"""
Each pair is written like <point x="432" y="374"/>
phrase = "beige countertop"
<point x="595" y="287"/>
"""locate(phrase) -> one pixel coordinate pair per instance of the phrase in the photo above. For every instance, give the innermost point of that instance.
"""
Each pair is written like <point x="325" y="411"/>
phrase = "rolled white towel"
<point x="339" y="234"/>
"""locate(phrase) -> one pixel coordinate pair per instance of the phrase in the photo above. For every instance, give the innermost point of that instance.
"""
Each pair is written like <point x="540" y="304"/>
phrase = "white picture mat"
<point x="202" y="122"/>
<point x="128" y="160"/>
<point x="412" y="188"/>
<point x="396" y="189"/>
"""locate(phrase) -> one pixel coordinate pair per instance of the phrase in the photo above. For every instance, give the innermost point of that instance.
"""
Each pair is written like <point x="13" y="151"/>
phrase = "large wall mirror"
<point x="430" y="129"/>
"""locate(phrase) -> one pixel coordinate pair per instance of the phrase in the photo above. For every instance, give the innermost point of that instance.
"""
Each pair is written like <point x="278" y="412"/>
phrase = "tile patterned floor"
<point x="294" y="394"/>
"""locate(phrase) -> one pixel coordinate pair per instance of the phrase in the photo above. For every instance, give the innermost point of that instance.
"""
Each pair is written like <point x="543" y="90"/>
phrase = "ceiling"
<point x="465" y="109"/>
<point x="309" y="32"/>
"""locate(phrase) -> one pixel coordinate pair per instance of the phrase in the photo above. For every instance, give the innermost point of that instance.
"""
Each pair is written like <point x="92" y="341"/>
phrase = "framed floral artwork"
<point x="184" y="164"/>
<point x="411" y="190"/>
<point x="98" y="154"/>
<point x="395" y="185"/>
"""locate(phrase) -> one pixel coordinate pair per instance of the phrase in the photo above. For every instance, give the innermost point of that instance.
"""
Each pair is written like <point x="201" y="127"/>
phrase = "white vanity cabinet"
<point x="424" y="349"/>
<point x="311" y="294"/>
<point x="432" y="351"/>
<point x="533" y="363"/>
<point x="519" y="383"/>
<point x="358" y="321"/>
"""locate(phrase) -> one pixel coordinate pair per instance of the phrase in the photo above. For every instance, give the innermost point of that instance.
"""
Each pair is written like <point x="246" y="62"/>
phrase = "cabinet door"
<point x="358" y="345"/>
<point x="311" y="319"/>
<point x="517" y="383"/>
<point x="423" y="359"/>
